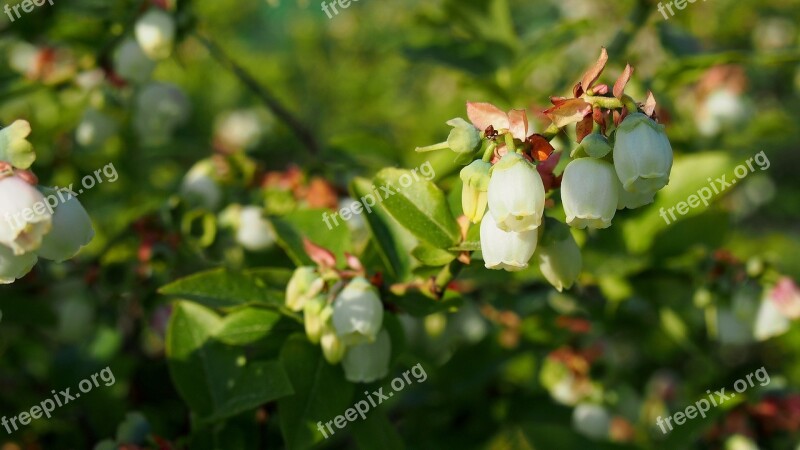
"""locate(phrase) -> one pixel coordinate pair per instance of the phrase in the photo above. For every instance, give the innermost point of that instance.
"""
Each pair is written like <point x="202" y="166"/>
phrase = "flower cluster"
<point x="342" y="312"/>
<point x="35" y="221"/>
<point x="623" y="159"/>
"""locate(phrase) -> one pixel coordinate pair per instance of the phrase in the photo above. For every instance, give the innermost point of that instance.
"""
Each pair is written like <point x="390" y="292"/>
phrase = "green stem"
<point x="433" y="148"/>
<point x="510" y="142"/>
<point x="447" y="275"/>
<point x="604" y="102"/>
<point x="303" y="133"/>
<point x="489" y="153"/>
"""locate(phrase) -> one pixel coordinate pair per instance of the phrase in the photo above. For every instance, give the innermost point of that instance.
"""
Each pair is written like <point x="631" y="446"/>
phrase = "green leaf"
<point x="246" y="326"/>
<point x="420" y="305"/>
<point x="432" y="256"/>
<point x="419" y="206"/>
<point x="215" y="380"/>
<point x="292" y="228"/>
<point x="321" y="394"/>
<point x="689" y="175"/>
<point x="376" y="432"/>
<point x="392" y="240"/>
<point x="221" y="288"/>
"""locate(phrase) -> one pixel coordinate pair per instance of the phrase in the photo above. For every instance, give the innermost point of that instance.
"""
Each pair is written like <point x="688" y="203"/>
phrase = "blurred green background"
<point x="641" y="335"/>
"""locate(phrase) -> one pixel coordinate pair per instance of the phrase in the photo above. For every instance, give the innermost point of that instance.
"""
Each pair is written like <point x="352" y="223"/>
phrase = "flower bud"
<point x="72" y="230"/>
<point x="633" y="200"/>
<point x="24" y="218"/>
<point x="254" y="232"/>
<point x="507" y="250"/>
<point x="316" y="313"/>
<point x="642" y="154"/>
<point x="475" y="179"/>
<point x="160" y="109"/>
<point x="560" y="258"/>
<point x="591" y="420"/>
<point x="333" y="349"/>
<point x="516" y="194"/>
<point x="155" y="32"/>
<point x="304" y="284"/>
<point x="131" y="63"/>
<point x="13" y="267"/>
<point x="357" y="312"/>
<point x="595" y="145"/>
<point x="14" y="147"/>
<point x="368" y="362"/>
<point x="200" y="187"/>
<point x="589" y="193"/>
<point x="464" y="137"/>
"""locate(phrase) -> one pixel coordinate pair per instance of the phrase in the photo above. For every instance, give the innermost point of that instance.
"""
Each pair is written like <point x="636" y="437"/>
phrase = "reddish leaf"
<point x="546" y="169"/>
<point x="322" y="256"/>
<point x="601" y="118"/>
<point x="622" y="81"/>
<point x="600" y="89"/>
<point x="650" y="105"/>
<point x="569" y="112"/>
<point x="591" y="76"/>
<point x="577" y="91"/>
<point x="584" y="127"/>
<point x="557" y="100"/>
<point x="484" y="115"/>
<point x="541" y="149"/>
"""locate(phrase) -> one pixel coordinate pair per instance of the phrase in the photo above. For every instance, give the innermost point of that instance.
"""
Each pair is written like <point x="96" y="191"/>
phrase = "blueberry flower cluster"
<point x="623" y="159"/>
<point x="343" y="313"/>
<point x="35" y="221"/>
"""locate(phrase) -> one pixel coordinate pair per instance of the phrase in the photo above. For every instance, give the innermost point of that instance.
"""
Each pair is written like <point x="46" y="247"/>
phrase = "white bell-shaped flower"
<point x="200" y="187"/>
<point x="72" y="230"/>
<point x="633" y="200"/>
<point x="131" y="63"/>
<point x="357" y="312"/>
<point x="516" y="194"/>
<point x="642" y="154"/>
<point x="368" y="362"/>
<point x="589" y="193"/>
<point x="507" y="250"/>
<point x="155" y="32"/>
<point x="13" y="267"/>
<point x="254" y="232"/>
<point x="24" y="215"/>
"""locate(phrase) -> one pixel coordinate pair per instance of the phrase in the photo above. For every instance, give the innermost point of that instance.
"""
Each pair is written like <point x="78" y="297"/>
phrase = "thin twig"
<point x="300" y="130"/>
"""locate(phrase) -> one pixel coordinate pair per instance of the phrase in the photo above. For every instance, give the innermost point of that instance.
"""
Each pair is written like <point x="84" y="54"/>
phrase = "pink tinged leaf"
<point x="600" y="89"/>
<point x="650" y="105"/>
<point x="483" y="115"/>
<point x="353" y="262"/>
<point x="546" y="169"/>
<point x="557" y="100"/>
<point x="518" y="123"/>
<point x="622" y="81"/>
<point x="584" y="127"/>
<point x="322" y="256"/>
<point x="569" y="112"/>
<point x="591" y="76"/>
